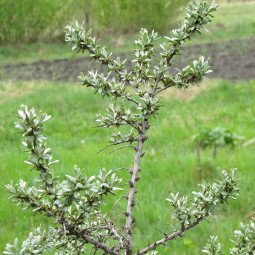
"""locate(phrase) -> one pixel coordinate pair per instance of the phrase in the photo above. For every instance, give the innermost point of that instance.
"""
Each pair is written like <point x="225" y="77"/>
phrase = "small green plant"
<point x="215" y="138"/>
<point x="73" y="203"/>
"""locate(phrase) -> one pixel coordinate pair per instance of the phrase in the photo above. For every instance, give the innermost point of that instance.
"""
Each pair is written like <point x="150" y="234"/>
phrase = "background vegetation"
<point x="217" y="103"/>
<point x="44" y="20"/>
<point x="233" y="20"/>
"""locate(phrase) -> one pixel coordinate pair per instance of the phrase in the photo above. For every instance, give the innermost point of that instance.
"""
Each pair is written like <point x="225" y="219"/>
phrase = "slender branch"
<point x="73" y="230"/>
<point x="122" y="168"/>
<point x="117" y="203"/>
<point x="188" y="80"/>
<point x="98" y="244"/>
<point x="120" y="124"/>
<point x="114" y="231"/>
<point x="164" y="233"/>
<point x="153" y="93"/>
<point x="161" y="74"/>
<point x="122" y="147"/>
<point x="132" y="100"/>
<point x="117" y="143"/>
<point x="170" y="237"/>
<point x="166" y="87"/>
<point x="135" y="127"/>
<point x="118" y="215"/>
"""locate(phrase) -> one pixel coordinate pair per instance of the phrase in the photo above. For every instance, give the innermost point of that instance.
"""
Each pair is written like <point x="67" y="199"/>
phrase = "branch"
<point x="119" y="124"/>
<point x="162" y="89"/>
<point x="132" y="100"/>
<point x="132" y="189"/>
<point x="161" y="74"/>
<point x="169" y="237"/>
<point x="197" y="16"/>
<point x="122" y="168"/>
<point x="99" y="244"/>
<point x="72" y="230"/>
<point x="122" y="147"/>
<point x="100" y="84"/>
<point x="117" y="143"/>
<point x="115" y="233"/>
<point x="81" y="40"/>
<point x="195" y="72"/>
<point x="118" y="216"/>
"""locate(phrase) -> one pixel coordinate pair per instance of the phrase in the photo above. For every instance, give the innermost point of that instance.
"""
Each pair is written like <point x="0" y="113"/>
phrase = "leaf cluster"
<point x="206" y="200"/>
<point x="217" y="137"/>
<point x="243" y="241"/>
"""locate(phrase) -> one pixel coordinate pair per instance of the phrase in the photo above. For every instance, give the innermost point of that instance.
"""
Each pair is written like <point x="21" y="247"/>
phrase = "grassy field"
<point x="169" y="165"/>
<point x="233" y="20"/>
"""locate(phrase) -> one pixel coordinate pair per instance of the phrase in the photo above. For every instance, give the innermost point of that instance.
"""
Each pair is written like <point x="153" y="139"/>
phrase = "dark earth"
<point x="232" y="60"/>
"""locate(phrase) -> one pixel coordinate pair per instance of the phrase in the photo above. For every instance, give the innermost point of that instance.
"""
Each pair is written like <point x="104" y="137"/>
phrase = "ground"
<point x="231" y="60"/>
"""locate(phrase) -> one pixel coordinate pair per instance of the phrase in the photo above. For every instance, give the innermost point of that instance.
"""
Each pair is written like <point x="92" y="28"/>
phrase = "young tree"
<point x="74" y="203"/>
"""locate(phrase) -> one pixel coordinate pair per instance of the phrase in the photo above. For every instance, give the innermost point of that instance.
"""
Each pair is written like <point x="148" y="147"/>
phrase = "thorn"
<point x="174" y="229"/>
<point x="137" y="178"/>
<point x="131" y="184"/>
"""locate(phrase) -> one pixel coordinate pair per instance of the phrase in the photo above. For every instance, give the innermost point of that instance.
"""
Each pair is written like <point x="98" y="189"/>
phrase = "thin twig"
<point x="132" y="100"/>
<point x="164" y="233"/>
<point x="119" y="124"/>
<point x="122" y="147"/>
<point x="117" y="203"/>
<point x="118" y="216"/>
<point x="166" y="87"/>
<point x="114" y="231"/>
<point x="122" y="168"/>
<point x="109" y="145"/>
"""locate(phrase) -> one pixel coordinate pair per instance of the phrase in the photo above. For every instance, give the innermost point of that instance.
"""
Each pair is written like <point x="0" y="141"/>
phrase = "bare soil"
<point x="232" y="60"/>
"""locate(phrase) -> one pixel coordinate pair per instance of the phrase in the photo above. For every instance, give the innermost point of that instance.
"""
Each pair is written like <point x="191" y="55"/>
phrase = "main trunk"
<point x="132" y="190"/>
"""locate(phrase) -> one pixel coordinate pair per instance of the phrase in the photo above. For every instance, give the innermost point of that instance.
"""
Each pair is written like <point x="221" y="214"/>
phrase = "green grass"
<point x="169" y="165"/>
<point x="231" y="22"/>
<point x="50" y="51"/>
<point x="35" y="52"/>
